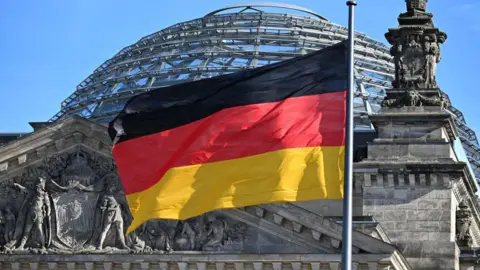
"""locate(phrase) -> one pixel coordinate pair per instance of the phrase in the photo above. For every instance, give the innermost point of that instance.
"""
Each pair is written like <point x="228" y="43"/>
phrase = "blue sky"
<point x="47" y="47"/>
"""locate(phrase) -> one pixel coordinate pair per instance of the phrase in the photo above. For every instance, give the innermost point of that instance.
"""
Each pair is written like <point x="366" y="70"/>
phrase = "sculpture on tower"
<point x="463" y="222"/>
<point x="416" y="5"/>
<point x="416" y="53"/>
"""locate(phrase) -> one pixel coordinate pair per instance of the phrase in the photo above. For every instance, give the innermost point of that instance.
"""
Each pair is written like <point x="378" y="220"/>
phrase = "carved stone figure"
<point x="201" y="231"/>
<point x="111" y="216"/>
<point x="9" y="225"/>
<point x="74" y="203"/>
<point x="136" y="243"/>
<point x="396" y="51"/>
<point x="432" y="52"/>
<point x="463" y="223"/>
<point x="158" y="238"/>
<point x="2" y="228"/>
<point x="37" y="210"/>
<point x="216" y="233"/>
<point x="411" y="97"/>
<point x="184" y="237"/>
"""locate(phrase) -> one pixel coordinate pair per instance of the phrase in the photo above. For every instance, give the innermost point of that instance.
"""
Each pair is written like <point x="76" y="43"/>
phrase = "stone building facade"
<point x="62" y="205"/>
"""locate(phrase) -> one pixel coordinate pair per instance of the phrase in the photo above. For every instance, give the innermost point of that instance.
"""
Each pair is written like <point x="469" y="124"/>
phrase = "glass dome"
<point x="224" y="41"/>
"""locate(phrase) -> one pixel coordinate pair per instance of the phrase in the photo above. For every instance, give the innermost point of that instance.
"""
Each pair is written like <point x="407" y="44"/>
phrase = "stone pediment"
<point x="60" y="193"/>
<point x="57" y="138"/>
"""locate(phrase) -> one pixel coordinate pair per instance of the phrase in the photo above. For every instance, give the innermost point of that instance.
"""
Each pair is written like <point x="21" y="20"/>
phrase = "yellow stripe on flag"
<point x="297" y="174"/>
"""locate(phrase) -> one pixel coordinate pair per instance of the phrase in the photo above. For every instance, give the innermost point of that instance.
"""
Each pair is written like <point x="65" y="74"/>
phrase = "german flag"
<point x="270" y="134"/>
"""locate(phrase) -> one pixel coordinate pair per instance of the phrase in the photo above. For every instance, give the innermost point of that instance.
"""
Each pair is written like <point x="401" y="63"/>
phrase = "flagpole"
<point x="348" y="185"/>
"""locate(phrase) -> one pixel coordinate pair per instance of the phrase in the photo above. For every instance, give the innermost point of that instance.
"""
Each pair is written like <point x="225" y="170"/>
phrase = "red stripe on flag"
<point x="236" y="132"/>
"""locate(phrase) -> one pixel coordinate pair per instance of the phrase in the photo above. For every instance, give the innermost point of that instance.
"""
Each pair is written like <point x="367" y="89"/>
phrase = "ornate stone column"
<point x="416" y="51"/>
<point x="411" y="170"/>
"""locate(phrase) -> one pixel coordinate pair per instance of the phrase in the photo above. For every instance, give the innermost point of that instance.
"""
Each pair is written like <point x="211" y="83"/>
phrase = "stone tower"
<point x="412" y="181"/>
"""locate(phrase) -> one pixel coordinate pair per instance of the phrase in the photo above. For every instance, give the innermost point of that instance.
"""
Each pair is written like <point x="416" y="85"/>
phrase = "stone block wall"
<point x="411" y="214"/>
<point x="417" y="212"/>
<point x="332" y="208"/>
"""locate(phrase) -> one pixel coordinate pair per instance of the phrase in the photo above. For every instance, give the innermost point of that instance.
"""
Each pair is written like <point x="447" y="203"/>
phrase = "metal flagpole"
<point x="348" y="185"/>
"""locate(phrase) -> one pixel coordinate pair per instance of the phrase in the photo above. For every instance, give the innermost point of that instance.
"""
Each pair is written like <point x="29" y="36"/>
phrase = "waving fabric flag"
<point x="270" y="134"/>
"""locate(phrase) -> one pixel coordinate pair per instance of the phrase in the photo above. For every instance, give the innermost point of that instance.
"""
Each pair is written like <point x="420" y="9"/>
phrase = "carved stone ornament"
<point x="206" y="232"/>
<point x="416" y="53"/>
<point x="415" y="57"/>
<point x="75" y="203"/>
<point x="411" y="97"/>
<point x="463" y="223"/>
<point x="416" y="5"/>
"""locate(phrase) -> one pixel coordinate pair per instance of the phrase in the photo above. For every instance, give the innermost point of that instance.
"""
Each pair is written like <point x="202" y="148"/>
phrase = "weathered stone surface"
<point x="428" y="249"/>
<point x="405" y="226"/>
<point x="427" y="204"/>
<point x="412" y="181"/>
<point x="436" y="215"/>
<point x="411" y="151"/>
<point x="416" y="51"/>
<point x="429" y="226"/>
<point x="395" y="215"/>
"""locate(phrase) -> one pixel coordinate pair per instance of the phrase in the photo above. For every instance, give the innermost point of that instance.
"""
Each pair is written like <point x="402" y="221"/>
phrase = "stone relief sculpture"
<point x="157" y="237"/>
<point x="432" y="53"/>
<point x="136" y="244"/>
<point x="415" y="69"/>
<point x="203" y="233"/>
<point x="184" y="238"/>
<point x="9" y="223"/>
<point x="111" y="218"/>
<point x="463" y="223"/>
<point x="75" y="203"/>
<point x="35" y="215"/>
<point x="216" y="233"/>
<point x="416" y="53"/>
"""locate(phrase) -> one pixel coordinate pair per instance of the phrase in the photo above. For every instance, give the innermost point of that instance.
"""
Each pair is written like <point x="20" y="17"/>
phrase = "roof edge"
<point x="271" y="5"/>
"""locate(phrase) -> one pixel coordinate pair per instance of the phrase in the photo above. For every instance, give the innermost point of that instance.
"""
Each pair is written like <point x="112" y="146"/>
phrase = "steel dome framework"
<point x="231" y="39"/>
<point x="224" y="43"/>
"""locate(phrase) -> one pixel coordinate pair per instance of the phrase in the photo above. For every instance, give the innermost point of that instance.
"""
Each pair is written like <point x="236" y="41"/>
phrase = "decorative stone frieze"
<point x="416" y="53"/>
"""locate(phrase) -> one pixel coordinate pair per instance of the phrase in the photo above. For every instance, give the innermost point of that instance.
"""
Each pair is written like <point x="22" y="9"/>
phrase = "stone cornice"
<point x="417" y="115"/>
<point x="385" y="165"/>
<point x="300" y="236"/>
<point x="373" y="228"/>
<point x="328" y="227"/>
<point x="444" y="172"/>
<point x="55" y="131"/>
<point x="305" y="229"/>
<point x="451" y="174"/>
<point x="200" y="261"/>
